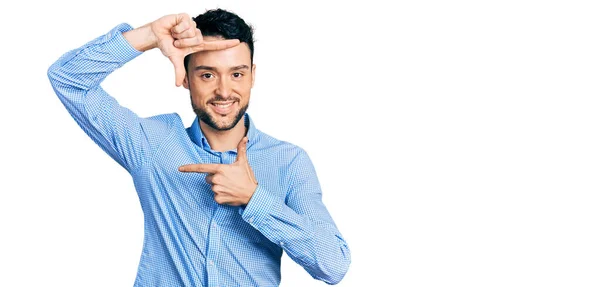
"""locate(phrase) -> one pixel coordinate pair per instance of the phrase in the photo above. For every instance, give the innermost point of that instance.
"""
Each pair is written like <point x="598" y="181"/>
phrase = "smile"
<point x="223" y="108"/>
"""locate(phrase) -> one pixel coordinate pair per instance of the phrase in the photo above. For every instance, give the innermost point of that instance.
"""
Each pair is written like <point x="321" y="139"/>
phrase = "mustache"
<point x="223" y="99"/>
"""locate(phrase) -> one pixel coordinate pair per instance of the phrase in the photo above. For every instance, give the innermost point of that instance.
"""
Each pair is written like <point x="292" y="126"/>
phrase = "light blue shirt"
<point x="189" y="239"/>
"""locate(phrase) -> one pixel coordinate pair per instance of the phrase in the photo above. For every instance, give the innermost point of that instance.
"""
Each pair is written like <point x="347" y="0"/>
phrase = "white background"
<point x="457" y="142"/>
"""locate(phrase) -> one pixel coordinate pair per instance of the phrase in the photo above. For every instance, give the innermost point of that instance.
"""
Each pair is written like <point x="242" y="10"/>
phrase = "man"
<point x="221" y="199"/>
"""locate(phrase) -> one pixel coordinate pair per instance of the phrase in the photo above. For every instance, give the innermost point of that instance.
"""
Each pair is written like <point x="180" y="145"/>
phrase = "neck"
<point x="224" y="140"/>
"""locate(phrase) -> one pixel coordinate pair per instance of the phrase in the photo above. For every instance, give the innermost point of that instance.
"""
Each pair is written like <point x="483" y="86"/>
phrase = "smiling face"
<point x="220" y="84"/>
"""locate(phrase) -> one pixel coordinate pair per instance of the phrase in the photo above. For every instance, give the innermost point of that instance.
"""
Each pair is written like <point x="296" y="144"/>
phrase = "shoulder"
<point x="164" y="121"/>
<point x="158" y="127"/>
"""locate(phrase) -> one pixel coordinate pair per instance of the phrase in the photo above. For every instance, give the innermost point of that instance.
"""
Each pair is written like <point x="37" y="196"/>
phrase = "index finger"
<point x="216" y="45"/>
<point x="201" y="168"/>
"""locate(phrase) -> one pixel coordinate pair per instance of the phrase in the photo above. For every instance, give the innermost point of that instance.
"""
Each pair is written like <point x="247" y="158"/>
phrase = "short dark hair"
<point x="224" y="24"/>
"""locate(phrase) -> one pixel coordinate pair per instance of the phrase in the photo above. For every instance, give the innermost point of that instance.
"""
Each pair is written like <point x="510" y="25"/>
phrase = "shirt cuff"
<point x="261" y="204"/>
<point x="118" y="46"/>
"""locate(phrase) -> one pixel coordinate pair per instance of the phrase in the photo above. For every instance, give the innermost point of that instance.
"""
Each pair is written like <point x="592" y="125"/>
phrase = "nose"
<point x="224" y="88"/>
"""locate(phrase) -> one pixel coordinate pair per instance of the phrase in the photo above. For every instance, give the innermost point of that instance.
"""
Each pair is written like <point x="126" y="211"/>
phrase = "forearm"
<point x="142" y="38"/>
<point x="312" y="241"/>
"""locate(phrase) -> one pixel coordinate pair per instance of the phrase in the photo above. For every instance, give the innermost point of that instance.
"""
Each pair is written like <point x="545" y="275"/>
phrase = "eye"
<point x="207" y="76"/>
<point x="237" y="75"/>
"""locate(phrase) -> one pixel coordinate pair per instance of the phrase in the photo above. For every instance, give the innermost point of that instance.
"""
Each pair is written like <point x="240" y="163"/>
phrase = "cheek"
<point x="200" y="93"/>
<point x="244" y="88"/>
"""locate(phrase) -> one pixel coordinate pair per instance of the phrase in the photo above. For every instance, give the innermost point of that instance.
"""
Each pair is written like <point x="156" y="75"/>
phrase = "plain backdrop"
<point x="456" y="142"/>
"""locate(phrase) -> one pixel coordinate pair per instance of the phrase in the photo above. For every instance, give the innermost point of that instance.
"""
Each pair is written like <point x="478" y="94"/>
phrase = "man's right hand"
<point x="176" y="36"/>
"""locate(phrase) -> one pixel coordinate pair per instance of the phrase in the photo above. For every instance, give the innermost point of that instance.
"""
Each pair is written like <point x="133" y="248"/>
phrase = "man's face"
<point x="220" y="84"/>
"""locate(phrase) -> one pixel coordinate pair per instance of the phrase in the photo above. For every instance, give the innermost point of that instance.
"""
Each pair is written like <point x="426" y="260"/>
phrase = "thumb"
<point x="179" y="69"/>
<point x="241" y="151"/>
<point x="242" y="157"/>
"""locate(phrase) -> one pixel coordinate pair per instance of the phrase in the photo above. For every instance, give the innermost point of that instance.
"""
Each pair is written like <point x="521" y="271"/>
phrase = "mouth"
<point x="223" y="108"/>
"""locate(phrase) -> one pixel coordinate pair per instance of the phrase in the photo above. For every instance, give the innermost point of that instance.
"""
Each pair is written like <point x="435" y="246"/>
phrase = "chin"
<point x="220" y="122"/>
<point x="225" y="126"/>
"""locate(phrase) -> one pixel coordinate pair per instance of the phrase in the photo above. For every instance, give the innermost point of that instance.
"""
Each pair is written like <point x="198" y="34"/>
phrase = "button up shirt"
<point x="189" y="239"/>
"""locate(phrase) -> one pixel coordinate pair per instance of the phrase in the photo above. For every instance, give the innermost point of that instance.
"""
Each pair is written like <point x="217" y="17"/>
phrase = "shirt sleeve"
<point x="301" y="224"/>
<point x="76" y="77"/>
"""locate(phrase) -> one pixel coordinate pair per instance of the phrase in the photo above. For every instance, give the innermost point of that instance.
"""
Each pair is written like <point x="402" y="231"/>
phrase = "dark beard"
<point x="207" y="119"/>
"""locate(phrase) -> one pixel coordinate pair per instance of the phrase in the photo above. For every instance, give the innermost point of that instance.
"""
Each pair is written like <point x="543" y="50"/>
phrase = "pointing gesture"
<point x="232" y="184"/>
<point x="176" y="36"/>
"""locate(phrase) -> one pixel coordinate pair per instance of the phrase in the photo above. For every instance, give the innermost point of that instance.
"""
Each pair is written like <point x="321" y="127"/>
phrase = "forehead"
<point x="231" y="57"/>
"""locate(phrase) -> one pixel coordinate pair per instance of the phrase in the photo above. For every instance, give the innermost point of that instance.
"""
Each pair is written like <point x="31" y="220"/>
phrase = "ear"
<point x="253" y="73"/>
<point x="186" y="84"/>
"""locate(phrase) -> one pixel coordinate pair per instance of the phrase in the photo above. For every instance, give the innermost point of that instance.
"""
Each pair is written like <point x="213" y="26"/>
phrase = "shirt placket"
<point x="213" y="265"/>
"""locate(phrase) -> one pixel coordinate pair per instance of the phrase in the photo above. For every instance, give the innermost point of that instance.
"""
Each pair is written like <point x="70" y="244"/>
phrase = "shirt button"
<point x="214" y="225"/>
<point x="211" y="263"/>
<point x="281" y="243"/>
<point x="251" y="219"/>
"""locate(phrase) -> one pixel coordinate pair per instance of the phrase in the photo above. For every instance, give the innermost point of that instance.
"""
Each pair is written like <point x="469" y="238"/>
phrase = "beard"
<point x="212" y="122"/>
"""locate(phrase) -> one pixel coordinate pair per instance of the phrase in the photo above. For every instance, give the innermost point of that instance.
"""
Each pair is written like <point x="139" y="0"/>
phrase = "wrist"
<point x="250" y="194"/>
<point x="142" y="38"/>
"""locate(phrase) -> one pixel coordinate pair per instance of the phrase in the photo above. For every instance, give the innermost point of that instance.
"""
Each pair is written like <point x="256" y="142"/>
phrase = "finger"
<point x="218" y="189"/>
<point x="183" y="22"/>
<point x="201" y="167"/>
<point x="187" y="42"/>
<point x="222" y="199"/>
<point x="242" y="157"/>
<point x="241" y="150"/>
<point x="188" y="33"/>
<point x="216" y="45"/>
<point x="209" y="179"/>
<point x="191" y="42"/>
<point x="179" y="69"/>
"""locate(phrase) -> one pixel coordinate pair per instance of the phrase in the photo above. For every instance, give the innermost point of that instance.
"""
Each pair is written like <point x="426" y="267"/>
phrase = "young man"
<point x="221" y="199"/>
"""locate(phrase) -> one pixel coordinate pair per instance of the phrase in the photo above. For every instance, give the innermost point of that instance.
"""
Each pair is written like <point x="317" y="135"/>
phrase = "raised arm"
<point x="77" y="75"/>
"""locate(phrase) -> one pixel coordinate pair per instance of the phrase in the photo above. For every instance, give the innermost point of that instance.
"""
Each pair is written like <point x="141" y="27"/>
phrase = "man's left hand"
<point x="232" y="184"/>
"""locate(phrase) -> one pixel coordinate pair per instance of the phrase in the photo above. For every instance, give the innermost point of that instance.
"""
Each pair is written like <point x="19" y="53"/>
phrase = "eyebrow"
<point x="240" y="67"/>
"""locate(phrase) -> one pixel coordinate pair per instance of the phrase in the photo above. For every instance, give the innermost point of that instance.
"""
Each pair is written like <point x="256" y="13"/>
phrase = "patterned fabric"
<point x="189" y="239"/>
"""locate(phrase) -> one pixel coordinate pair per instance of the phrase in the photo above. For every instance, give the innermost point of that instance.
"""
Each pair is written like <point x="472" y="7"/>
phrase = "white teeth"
<point x="223" y="106"/>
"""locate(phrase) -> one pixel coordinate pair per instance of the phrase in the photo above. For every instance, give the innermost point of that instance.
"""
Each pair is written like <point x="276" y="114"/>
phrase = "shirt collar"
<point x="199" y="139"/>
